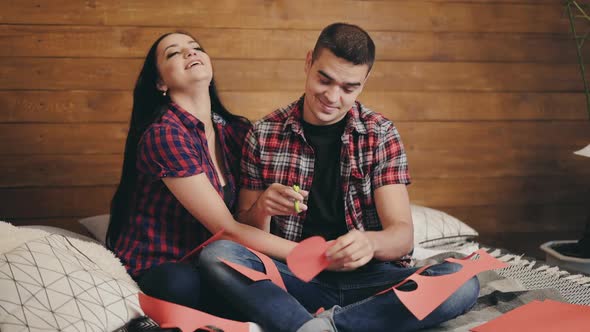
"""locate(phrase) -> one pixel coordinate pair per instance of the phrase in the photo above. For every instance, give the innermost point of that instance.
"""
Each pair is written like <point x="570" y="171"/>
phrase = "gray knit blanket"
<point x="525" y="280"/>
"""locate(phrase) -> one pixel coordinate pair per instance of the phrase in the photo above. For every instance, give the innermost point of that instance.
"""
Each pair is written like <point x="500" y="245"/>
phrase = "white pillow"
<point x="434" y="228"/>
<point x="60" y="231"/>
<point x="97" y="226"/>
<point x="51" y="282"/>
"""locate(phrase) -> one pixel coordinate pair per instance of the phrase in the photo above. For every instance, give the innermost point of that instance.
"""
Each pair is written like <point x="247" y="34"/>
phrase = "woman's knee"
<point x="173" y="282"/>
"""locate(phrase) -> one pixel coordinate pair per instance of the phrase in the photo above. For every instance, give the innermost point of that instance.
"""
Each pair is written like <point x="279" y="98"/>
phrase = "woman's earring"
<point x="164" y="93"/>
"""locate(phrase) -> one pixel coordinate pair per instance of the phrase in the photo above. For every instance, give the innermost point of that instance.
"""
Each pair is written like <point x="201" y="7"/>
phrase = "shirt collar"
<point x="354" y="122"/>
<point x="191" y="121"/>
<point x="295" y="117"/>
<point x="354" y="119"/>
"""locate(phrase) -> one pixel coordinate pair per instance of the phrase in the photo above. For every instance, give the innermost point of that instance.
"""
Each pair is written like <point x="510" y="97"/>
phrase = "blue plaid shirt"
<point x="160" y="229"/>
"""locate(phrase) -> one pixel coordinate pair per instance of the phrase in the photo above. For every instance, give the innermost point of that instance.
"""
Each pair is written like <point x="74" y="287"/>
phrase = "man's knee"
<point x="463" y="299"/>
<point x="470" y="291"/>
<point x="443" y="268"/>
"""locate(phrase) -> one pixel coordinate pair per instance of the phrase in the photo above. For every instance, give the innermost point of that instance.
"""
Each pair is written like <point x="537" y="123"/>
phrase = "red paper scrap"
<point x="546" y="316"/>
<point x="432" y="291"/>
<point x="170" y="315"/>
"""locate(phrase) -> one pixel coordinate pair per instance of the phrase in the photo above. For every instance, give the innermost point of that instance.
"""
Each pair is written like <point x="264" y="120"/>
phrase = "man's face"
<point x="331" y="87"/>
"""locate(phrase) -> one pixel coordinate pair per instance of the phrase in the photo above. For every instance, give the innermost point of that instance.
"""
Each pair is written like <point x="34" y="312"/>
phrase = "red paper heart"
<point x="308" y="258"/>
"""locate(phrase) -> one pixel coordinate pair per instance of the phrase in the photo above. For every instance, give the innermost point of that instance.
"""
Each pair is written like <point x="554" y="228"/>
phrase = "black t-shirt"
<point x="325" y="214"/>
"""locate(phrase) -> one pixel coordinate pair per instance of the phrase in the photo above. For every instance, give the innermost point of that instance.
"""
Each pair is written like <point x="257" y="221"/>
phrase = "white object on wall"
<point x="584" y="152"/>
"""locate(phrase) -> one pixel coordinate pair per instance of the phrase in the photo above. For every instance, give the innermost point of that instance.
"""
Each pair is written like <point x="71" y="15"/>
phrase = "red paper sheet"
<point x="169" y="315"/>
<point x="432" y="291"/>
<point x="546" y="316"/>
<point x="272" y="273"/>
<point x="308" y="258"/>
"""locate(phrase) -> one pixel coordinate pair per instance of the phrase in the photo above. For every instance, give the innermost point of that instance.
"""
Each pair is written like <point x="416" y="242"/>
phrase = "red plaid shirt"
<point x="160" y="228"/>
<point x="372" y="156"/>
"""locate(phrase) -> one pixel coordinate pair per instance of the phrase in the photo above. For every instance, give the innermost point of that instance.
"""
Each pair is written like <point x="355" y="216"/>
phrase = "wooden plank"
<point x="66" y="73"/>
<point x="487" y="137"/>
<point x="523" y="218"/>
<point x="65" y="106"/>
<point x="78" y="202"/>
<point x="473" y="106"/>
<point x="62" y="139"/>
<point x="493" y="137"/>
<point x="25" y="203"/>
<point x="60" y="170"/>
<point x="496" y="163"/>
<point x="115" y="106"/>
<point x="287" y="75"/>
<point x="98" y="169"/>
<point x="309" y="15"/>
<point x="134" y="42"/>
<point x="500" y="191"/>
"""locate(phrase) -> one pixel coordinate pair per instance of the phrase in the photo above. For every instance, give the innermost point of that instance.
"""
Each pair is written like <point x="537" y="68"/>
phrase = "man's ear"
<point x="308" y="61"/>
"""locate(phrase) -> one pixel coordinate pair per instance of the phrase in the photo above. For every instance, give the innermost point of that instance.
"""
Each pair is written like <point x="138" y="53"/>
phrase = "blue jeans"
<point x="180" y="283"/>
<point x="353" y="294"/>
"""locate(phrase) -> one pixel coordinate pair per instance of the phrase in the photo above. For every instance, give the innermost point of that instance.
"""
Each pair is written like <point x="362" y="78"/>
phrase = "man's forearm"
<point x="393" y="242"/>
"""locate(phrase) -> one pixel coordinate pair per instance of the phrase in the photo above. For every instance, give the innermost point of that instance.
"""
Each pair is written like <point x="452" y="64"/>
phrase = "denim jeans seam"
<point x="355" y="304"/>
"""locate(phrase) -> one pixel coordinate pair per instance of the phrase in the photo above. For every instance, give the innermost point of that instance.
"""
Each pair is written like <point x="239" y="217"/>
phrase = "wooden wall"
<point x="486" y="95"/>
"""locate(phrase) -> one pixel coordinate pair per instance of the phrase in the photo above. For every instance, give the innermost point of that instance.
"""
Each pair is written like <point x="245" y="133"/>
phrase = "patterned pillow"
<point x="97" y="226"/>
<point x="434" y="228"/>
<point x="55" y="283"/>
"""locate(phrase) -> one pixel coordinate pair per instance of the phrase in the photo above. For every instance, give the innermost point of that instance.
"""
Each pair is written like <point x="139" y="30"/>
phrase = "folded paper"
<point x="432" y="291"/>
<point x="308" y="258"/>
<point x="170" y="315"/>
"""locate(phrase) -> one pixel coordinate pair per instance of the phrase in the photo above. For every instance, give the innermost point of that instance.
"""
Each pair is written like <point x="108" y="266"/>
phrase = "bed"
<point x="54" y="279"/>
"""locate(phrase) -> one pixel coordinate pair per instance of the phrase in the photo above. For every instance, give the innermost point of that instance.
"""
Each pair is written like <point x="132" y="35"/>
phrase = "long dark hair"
<point x="148" y="107"/>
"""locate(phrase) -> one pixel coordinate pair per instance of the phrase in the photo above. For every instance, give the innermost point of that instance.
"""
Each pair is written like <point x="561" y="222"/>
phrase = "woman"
<point x="179" y="174"/>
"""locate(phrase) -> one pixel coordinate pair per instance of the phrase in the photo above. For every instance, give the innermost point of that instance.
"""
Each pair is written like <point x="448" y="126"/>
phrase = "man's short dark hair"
<point x="346" y="41"/>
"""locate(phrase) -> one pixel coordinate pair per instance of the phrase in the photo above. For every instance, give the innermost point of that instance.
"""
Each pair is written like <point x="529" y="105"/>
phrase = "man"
<point x="352" y="169"/>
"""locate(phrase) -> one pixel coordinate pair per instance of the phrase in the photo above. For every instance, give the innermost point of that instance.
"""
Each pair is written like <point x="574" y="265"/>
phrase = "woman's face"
<point x="182" y="63"/>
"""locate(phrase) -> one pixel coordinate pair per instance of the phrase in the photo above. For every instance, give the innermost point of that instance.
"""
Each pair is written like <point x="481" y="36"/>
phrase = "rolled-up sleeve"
<point x="250" y="167"/>
<point x="169" y="152"/>
<point x="390" y="163"/>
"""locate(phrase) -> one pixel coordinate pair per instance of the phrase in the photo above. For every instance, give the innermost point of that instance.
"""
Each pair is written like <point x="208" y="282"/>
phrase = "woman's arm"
<point x="199" y="197"/>
<point x="256" y="207"/>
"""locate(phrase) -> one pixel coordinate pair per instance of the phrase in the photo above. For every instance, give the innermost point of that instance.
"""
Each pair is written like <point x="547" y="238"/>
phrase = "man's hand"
<point x="279" y="200"/>
<point x="350" y="251"/>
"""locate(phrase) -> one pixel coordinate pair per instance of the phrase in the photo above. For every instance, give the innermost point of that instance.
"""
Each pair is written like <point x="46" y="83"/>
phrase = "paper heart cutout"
<point x="308" y="258"/>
